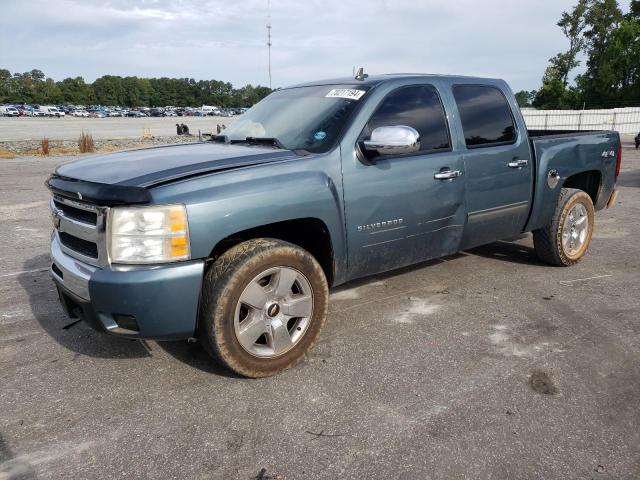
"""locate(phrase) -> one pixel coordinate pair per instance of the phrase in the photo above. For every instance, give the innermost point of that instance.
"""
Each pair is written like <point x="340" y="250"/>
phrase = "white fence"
<point x="623" y="120"/>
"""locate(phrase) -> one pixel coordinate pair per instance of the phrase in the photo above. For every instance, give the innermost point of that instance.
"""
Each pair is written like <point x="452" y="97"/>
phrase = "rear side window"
<point x="417" y="106"/>
<point x="485" y="115"/>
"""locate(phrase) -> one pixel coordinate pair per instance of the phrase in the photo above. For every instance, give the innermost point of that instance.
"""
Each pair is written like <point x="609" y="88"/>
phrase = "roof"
<point x="373" y="80"/>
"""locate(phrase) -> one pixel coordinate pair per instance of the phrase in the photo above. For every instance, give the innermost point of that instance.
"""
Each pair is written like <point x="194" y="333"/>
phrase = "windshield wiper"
<point x="270" y="141"/>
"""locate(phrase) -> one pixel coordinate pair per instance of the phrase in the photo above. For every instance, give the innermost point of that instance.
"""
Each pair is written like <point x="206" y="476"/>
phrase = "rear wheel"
<point x="264" y="304"/>
<point x="565" y="240"/>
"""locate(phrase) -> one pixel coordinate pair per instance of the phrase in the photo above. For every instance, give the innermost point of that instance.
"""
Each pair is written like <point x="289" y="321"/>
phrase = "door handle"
<point x="518" y="163"/>
<point x="447" y="174"/>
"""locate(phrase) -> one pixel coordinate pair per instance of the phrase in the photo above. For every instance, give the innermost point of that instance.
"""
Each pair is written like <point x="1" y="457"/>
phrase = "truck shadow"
<point x="194" y="355"/>
<point x="508" y="252"/>
<point x="505" y="251"/>
<point x="81" y="339"/>
<point x="77" y="337"/>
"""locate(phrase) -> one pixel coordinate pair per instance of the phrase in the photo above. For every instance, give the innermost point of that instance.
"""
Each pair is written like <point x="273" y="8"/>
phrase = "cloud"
<point x="312" y="39"/>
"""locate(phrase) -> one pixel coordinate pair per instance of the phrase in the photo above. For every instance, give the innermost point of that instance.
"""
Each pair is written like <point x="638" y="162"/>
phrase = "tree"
<point x="33" y="87"/>
<point x="572" y="25"/>
<point x="7" y="85"/>
<point x="602" y="19"/>
<point x="75" y="91"/>
<point x="555" y="82"/>
<point x="552" y="91"/>
<point x="524" y="98"/>
<point x="619" y="76"/>
<point x="47" y="92"/>
<point x="609" y="41"/>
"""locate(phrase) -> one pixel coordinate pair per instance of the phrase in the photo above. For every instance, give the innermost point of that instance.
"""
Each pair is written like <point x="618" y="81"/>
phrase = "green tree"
<point x="7" y="85"/>
<point x="34" y="87"/>
<point x="524" y="98"/>
<point x="554" y="91"/>
<point x="75" y="91"/>
<point x="602" y="19"/>
<point x="47" y="92"/>
<point x="619" y="76"/>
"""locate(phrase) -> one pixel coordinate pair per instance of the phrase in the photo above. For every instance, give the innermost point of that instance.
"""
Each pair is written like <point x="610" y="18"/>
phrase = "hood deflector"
<point x="112" y="195"/>
<point x="98" y="193"/>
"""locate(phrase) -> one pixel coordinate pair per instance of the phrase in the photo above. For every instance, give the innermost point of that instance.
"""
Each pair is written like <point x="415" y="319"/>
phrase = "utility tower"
<point x="269" y="37"/>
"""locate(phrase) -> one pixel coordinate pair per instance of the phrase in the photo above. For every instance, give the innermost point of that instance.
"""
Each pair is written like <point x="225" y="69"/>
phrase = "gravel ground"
<point x="70" y="147"/>
<point x="486" y="364"/>
<point x="24" y="134"/>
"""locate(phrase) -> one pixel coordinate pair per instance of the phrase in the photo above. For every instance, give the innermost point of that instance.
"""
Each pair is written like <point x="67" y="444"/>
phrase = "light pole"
<point x="269" y="37"/>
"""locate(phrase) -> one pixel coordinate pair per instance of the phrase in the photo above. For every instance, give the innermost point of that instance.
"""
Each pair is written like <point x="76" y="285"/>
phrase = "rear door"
<point x="498" y="164"/>
<point x="398" y="211"/>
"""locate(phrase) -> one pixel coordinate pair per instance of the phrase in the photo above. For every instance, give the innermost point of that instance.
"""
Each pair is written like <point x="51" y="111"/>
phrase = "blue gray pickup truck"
<point x="236" y="241"/>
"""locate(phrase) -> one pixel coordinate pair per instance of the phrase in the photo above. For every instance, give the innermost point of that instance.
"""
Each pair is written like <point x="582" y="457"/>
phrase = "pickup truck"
<point x="236" y="241"/>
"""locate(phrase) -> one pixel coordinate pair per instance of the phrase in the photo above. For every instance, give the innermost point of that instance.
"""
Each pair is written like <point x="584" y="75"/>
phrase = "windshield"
<point x="303" y="118"/>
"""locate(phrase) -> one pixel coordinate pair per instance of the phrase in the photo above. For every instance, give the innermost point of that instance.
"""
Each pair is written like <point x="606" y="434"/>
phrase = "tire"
<point x="574" y="208"/>
<point x="239" y="292"/>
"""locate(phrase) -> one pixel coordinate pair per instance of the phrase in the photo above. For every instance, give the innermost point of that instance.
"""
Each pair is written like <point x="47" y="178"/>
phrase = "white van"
<point x="8" y="111"/>
<point x="51" y="111"/>
<point x="209" y="110"/>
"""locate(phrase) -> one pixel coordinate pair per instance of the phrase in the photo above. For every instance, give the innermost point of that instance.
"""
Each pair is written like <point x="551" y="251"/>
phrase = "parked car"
<point x="135" y="113"/>
<point x="80" y="113"/>
<point x="9" y="111"/>
<point x="34" y="111"/>
<point x="236" y="242"/>
<point x="50" y="111"/>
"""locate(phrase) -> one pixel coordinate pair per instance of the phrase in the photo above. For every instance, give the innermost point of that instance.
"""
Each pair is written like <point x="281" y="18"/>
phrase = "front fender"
<point x="220" y="205"/>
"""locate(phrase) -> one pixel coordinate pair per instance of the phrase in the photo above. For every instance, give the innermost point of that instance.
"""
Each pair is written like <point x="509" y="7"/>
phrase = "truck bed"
<point x="560" y="133"/>
<point x="571" y="153"/>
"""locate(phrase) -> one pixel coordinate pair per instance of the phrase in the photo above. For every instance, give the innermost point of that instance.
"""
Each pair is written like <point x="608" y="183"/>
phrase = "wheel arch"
<point x="309" y="233"/>
<point x="589" y="181"/>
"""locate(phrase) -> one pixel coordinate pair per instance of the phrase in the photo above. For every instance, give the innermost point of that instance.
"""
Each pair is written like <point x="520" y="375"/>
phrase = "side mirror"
<point x="394" y="140"/>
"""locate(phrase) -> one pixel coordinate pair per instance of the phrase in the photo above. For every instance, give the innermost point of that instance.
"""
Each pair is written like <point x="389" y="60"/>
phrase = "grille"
<point x="81" y="229"/>
<point x="77" y="213"/>
<point x="83" y="247"/>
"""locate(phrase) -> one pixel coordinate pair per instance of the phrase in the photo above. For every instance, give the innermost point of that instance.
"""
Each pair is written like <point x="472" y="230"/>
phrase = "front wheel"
<point x="264" y="303"/>
<point x="565" y="240"/>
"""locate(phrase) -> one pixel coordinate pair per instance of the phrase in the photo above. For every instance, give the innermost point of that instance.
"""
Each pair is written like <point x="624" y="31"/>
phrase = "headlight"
<point x="156" y="234"/>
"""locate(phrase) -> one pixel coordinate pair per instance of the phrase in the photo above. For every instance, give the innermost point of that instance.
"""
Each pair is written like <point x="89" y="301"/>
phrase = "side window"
<point x="485" y="115"/>
<point x="419" y="107"/>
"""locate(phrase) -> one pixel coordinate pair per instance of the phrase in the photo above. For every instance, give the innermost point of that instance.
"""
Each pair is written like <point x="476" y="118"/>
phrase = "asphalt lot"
<point x="69" y="128"/>
<point x="421" y="373"/>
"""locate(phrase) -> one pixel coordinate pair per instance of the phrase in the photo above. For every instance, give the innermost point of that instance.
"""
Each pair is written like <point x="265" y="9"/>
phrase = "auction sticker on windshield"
<point x="349" y="93"/>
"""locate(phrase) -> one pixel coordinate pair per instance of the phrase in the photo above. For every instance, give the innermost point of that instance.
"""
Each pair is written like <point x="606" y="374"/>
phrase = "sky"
<point x="312" y="39"/>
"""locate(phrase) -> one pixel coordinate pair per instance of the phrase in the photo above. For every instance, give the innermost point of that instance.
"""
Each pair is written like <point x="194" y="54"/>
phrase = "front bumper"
<point x="156" y="302"/>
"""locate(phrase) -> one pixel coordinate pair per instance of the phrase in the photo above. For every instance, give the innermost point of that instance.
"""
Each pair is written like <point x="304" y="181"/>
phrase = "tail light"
<point x="618" y="160"/>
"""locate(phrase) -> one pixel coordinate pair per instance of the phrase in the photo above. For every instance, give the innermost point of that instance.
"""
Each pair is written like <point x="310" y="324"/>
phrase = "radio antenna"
<point x="269" y="37"/>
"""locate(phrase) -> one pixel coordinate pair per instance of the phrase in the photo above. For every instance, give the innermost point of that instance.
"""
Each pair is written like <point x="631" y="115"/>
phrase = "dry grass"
<point x="44" y="146"/>
<point x="4" y="153"/>
<point x="86" y="144"/>
<point x="118" y="148"/>
<point x="53" y="149"/>
<point x="64" y="150"/>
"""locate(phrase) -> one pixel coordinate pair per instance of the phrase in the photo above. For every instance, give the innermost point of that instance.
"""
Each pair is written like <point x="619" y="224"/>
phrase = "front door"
<point x="404" y="209"/>
<point x="498" y="165"/>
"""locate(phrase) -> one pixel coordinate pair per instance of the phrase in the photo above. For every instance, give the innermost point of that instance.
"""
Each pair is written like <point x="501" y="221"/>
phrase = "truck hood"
<point x="149" y="166"/>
